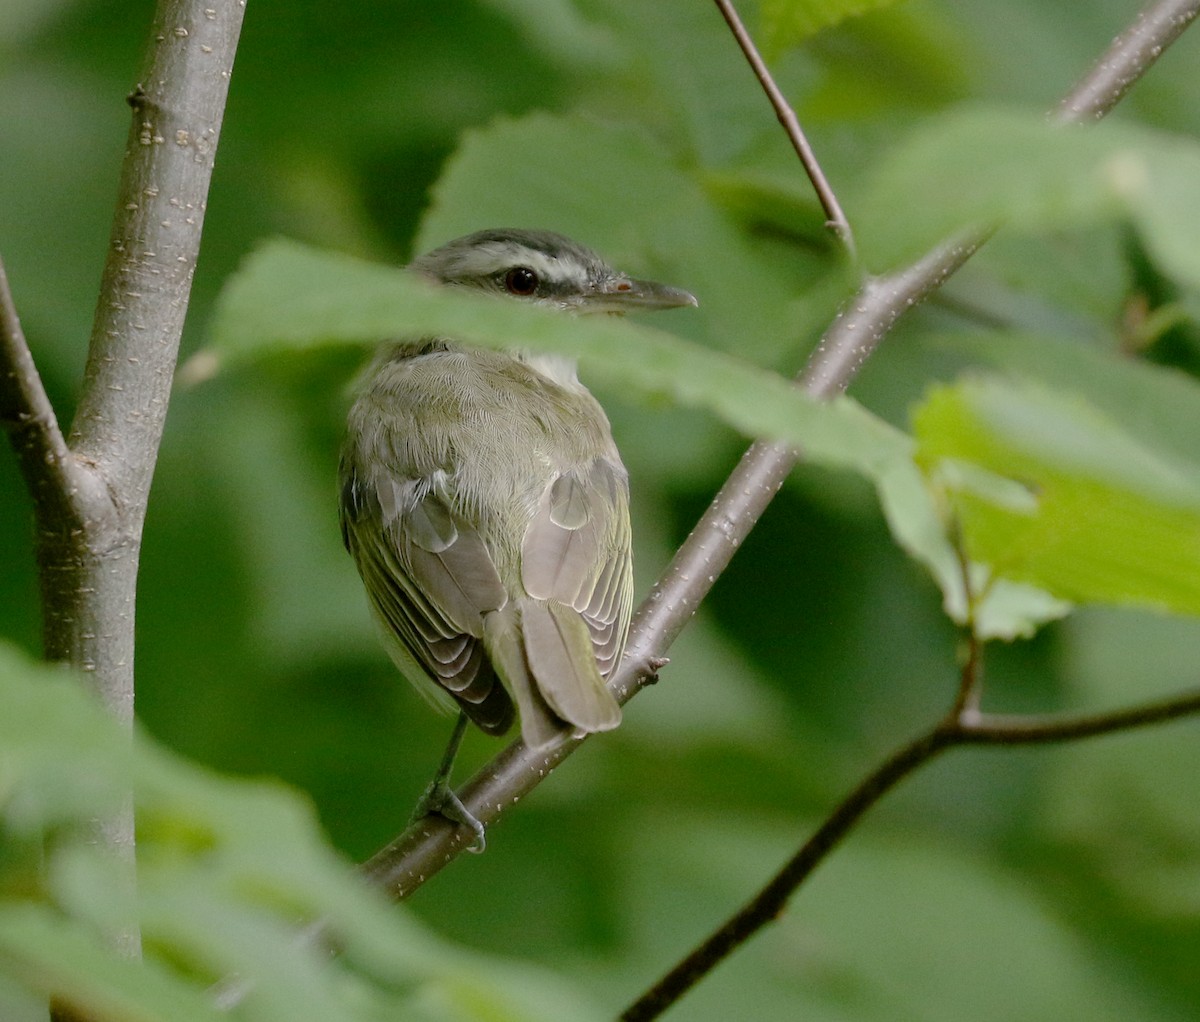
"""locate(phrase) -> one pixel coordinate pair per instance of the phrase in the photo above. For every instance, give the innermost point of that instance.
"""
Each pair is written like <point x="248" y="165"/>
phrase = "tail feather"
<point x="506" y="648"/>
<point x="543" y="652"/>
<point x="559" y="649"/>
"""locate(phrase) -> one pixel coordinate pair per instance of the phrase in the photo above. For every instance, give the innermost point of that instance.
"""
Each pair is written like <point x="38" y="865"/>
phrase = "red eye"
<point x="521" y="281"/>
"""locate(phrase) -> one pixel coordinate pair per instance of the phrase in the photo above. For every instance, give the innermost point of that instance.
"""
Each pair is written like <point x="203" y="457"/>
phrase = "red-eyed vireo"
<point x="487" y="509"/>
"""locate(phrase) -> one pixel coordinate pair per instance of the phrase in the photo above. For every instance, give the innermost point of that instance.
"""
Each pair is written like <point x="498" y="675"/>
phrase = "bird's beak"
<point x="624" y="294"/>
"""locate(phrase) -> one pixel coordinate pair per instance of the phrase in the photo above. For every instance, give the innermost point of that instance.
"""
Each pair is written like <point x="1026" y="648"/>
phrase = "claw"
<point x="439" y="798"/>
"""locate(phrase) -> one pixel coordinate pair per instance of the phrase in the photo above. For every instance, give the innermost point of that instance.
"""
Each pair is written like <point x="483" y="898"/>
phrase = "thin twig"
<point x="970" y="687"/>
<point x="427" y="846"/>
<point x="835" y="219"/>
<point x="1041" y="729"/>
<point x="24" y="405"/>
<point x="767" y="904"/>
<point x="1129" y="57"/>
<point x="28" y="417"/>
<point x="956" y="729"/>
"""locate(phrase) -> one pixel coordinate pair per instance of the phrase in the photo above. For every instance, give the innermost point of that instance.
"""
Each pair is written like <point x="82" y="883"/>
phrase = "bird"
<point x="486" y="506"/>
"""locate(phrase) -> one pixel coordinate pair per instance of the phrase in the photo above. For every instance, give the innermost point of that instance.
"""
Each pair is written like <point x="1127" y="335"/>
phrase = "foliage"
<point x="289" y="299"/>
<point x="380" y="130"/>
<point x="1050" y="491"/>
<point x="980" y="166"/>
<point x="788" y="22"/>
<point x="225" y="868"/>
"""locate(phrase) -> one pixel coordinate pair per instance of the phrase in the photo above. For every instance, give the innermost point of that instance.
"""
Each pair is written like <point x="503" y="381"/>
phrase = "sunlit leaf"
<point x="788" y="22"/>
<point x="1105" y="517"/>
<point x="289" y="298"/>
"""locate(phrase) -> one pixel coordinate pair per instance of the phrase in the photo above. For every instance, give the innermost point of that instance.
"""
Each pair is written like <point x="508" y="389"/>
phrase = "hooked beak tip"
<point x="646" y="294"/>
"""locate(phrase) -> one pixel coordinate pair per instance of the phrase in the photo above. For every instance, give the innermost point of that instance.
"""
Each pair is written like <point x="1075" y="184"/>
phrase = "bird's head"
<point x="544" y="268"/>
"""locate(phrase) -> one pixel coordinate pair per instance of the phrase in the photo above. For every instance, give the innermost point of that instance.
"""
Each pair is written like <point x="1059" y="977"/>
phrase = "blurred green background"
<point x="1058" y="882"/>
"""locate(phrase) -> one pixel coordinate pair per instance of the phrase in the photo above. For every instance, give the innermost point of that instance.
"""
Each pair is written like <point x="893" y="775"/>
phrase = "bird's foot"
<point x="439" y="798"/>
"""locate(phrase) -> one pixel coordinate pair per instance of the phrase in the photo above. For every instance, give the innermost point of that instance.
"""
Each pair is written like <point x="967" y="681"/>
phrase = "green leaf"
<point x="767" y="198"/>
<point x="288" y="297"/>
<point x="789" y="22"/>
<point x="559" y="30"/>
<point x="227" y="873"/>
<point x="620" y="191"/>
<point x="1158" y="407"/>
<point x="902" y="925"/>
<point x="1049" y="490"/>
<point x="983" y="166"/>
<point x="42" y="784"/>
<point x="45" y="951"/>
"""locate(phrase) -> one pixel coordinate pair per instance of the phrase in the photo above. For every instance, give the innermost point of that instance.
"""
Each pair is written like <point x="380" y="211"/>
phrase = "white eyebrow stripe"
<point x="495" y="256"/>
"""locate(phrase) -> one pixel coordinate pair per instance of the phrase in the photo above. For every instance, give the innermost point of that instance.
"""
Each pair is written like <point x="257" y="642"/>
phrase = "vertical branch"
<point x="90" y="491"/>
<point x="177" y="107"/>
<point x="88" y="567"/>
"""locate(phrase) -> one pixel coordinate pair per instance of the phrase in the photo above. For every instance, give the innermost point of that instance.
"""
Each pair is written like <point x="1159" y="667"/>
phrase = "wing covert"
<point x="430" y="580"/>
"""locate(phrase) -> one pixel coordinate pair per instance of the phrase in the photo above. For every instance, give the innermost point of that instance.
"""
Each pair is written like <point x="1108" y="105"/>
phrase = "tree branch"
<point x="88" y="568"/>
<point x="432" y="843"/>
<point x="1129" y="57"/>
<point x="959" y="728"/>
<point x="28" y="417"/>
<point x="835" y="219"/>
<point x="90" y="492"/>
<point x="975" y="728"/>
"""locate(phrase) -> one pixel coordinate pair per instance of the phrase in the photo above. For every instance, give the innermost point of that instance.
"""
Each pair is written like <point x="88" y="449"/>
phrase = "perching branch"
<point x="1129" y="57"/>
<point x="835" y="219"/>
<point x="432" y="843"/>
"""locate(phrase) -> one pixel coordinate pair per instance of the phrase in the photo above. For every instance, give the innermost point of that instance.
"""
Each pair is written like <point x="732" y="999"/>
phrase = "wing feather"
<point x="577" y="552"/>
<point x="430" y="581"/>
<point x="556" y="515"/>
<point x="559" y="649"/>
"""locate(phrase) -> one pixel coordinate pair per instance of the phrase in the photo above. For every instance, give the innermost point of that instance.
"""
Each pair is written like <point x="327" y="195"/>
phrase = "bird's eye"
<point x="521" y="281"/>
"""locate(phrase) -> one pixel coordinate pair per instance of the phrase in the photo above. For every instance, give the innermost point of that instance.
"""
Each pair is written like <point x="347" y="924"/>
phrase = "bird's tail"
<point x="542" y="650"/>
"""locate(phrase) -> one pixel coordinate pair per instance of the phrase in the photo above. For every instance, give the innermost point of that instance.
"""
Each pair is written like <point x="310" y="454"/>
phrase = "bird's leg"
<point x="439" y="797"/>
